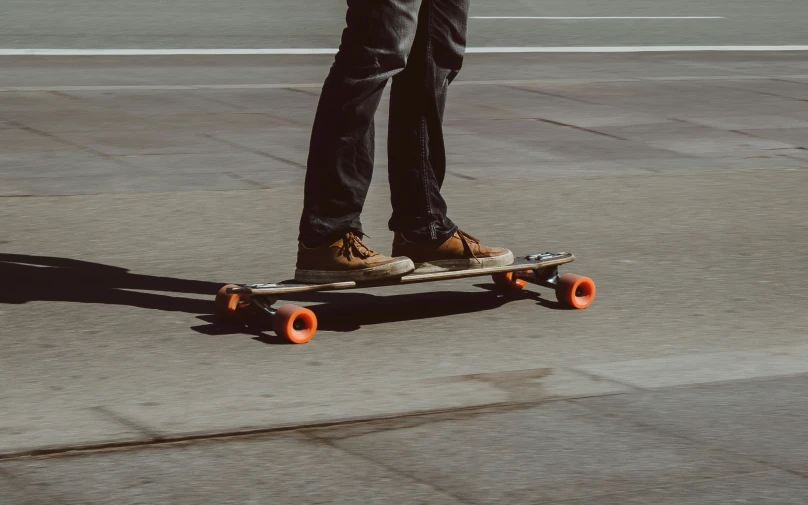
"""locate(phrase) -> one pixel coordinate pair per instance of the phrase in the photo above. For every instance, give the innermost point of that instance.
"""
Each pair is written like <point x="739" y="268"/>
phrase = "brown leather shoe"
<point x="347" y="259"/>
<point x="458" y="252"/>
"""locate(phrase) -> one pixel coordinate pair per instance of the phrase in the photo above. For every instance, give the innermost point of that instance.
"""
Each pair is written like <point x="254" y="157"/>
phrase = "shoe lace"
<point x="352" y="246"/>
<point x="467" y="241"/>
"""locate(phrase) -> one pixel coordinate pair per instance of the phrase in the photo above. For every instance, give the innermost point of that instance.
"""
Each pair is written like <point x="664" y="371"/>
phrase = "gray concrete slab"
<point x="16" y="140"/>
<point x="466" y="168"/>
<point x="33" y="425"/>
<point x="705" y="368"/>
<point x="147" y="103"/>
<point x="201" y="163"/>
<point x="8" y="189"/>
<point x="761" y="420"/>
<point x="746" y="120"/>
<point x="36" y="102"/>
<point x="205" y="123"/>
<point x="252" y="168"/>
<point x="281" y="470"/>
<point x="800" y="153"/>
<point x="794" y="136"/>
<point x="13" y="493"/>
<point x="485" y="152"/>
<point x="79" y="118"/>
<point x="540" y="455"/>
<point x="151" y="141"/>
<point x="784" y="159"/>
<point x="63" y="163"/>
<point x="696" y="139"/>
<point x="769" y="488"/>
<point x="122" y="183"/>
<point x="70" y="74"/>
<point x="142" y="332"/>
<point x="286" y="106"/>
<point x="677" y="97"/>
<point x="286" y="145"/>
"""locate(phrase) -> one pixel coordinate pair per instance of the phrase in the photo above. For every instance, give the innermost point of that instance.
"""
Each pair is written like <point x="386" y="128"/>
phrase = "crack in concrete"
<point x="423" y="416"/>
<point x="579" y="128"/>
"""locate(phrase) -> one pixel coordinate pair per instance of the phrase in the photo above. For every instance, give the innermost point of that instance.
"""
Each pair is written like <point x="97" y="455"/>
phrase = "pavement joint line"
<point x="788" y="79"/>
<point x="545" y="93"/>
<point x="596" y="377"/>
<point x="65" y="95"/>
<point x="482" y="409"/>
<point x="254" y="151"/>
<point x="245" y="180"/>
<point x="56" y="138"/>
<point x="767" y="93"/>
<point x="748" y="134"/>
<point x="302" y="91"/>
<point x="723" y="382"/>
<point x="227" y="435"/>
<point x="290" y="122"/>
<point x="460" y="175"/>
<point x="580" y="128"/>
<point x="390" y="468"/>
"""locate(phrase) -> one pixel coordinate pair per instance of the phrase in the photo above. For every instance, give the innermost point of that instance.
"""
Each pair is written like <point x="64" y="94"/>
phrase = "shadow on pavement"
<point x="347" y="311"/>
<point x="26" y="278"/>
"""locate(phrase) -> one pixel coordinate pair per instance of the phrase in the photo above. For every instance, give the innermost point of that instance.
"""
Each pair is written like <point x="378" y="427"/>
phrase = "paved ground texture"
<point x="133" y="187"/>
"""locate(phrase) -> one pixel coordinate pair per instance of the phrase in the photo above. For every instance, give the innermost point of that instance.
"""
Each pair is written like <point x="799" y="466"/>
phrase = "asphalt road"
<point x="131" y="188"/>
<point x="288" y="23"/>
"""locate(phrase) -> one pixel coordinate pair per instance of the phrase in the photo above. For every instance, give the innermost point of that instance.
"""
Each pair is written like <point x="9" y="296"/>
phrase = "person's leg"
<point x="417" y="155"/>
<point x="375" y="46"/>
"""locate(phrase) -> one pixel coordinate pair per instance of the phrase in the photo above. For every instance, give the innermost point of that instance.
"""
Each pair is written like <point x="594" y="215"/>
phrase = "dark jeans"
<point x="420" y="45"/>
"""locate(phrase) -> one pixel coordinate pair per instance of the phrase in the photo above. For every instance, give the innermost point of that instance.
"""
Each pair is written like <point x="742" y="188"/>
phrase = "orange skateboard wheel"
<point x="575" y="291"/>
<point x="508" y="280"/>
<point x="232" y="305"/>
<point x="296" y="324"/>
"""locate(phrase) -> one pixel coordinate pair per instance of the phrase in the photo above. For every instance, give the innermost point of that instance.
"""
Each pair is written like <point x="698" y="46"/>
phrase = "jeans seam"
<point x="424" y="156"/>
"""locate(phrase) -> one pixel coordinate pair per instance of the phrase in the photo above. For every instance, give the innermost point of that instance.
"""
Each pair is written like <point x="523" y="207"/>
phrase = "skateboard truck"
<point x="547" y="277"/>
<point x="265" y="305"/>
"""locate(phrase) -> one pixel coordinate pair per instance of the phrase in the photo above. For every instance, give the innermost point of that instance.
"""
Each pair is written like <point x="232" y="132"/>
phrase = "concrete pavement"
<point x="132" y="188"/>
<point x="719" y="443"/>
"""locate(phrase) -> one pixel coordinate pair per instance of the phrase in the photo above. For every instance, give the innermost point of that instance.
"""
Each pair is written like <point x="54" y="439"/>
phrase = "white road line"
<point x="594" y="18"/>
<point x="631" y="49"/>
<point x="329" y="51"/>
<point x="162" y="52"/>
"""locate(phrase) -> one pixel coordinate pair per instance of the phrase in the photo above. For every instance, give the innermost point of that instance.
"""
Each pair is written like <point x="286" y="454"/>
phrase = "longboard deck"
<point x="531" y="262"/>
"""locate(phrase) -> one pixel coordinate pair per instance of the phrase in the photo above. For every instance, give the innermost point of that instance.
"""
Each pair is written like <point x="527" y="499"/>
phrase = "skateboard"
<point x="299" y="324"/>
